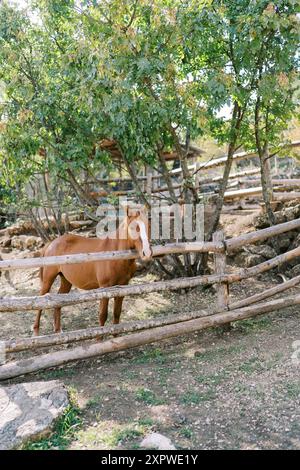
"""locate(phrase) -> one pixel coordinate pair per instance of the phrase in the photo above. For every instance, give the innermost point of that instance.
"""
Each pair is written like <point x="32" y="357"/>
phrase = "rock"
<point x="240" y="258"/>
<point x="5" y="242"/>
<point x="283" y="241"/>
<point x="79" y="224"/>
<point x="26" y="242"/>
<point x="263" y="250"/>
<point x="17" y="242"/>
<point x="253" y="260"/>
<point x="31" y="243"/>
<point x="157" y="441"/>
<point x="247" y="259"/>
<point x="22" y="226"/>
<point x="285" y="215"/>
<point x="295" y="271"/>
<point x="29" y="410"/>
<point x="296" y="242"/>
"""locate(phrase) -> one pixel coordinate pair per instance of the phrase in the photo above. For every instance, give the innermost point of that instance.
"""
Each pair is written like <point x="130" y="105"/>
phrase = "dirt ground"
<point x="237" y="389"/>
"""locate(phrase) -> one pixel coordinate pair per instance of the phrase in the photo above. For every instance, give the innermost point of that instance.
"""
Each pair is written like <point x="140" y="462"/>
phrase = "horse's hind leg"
<point x="103" y="311"/>
<point x="48" y="276"/>
<point x="118" y="301"/>
<point x="65" y="287"/>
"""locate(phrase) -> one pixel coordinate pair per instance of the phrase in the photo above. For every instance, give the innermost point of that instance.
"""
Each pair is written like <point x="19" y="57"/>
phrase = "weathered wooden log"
<point x="159" y="250"/>
<point x="34" y="342"/>
<point x="207" y="181"/>
<point x="192" y="247"/>
<point x="257" y="191"/>
<point x="243" y="193"/>
<point x="45" y="361"/>
<point x="288" y="183"/>
<point x="231" y="177"/>
<point x="253" y="237"/>
<point x="47" y="301"/>
<point x="11" y="304"/>
<point x="265" y="294"/>
<point x="287" y="196"/>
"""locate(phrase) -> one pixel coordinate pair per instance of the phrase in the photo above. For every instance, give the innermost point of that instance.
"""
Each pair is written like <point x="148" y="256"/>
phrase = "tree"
<point x="151" y="77"/>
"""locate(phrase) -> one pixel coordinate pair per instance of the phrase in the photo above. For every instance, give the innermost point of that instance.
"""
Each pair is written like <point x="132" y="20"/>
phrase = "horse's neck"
<point x="120" y="242"/>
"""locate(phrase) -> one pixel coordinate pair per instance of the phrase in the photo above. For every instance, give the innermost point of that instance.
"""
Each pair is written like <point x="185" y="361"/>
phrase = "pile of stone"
<point x="255" y="254"/>
<point x="20" y="242"/>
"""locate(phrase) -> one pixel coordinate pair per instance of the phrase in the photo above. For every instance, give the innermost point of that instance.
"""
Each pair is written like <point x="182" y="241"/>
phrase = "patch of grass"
<point x="186" y="432"/>
<point x="217" y="353"/>
<point x="148" y="397"/>
<point x="110" y="435"/>
<point x="251" y="366"/>
<point x="64" y="431"/>
<point x="57" y="374"/>
<point x="92" y="402"/>
<point x="212" y="379"/>
<point x="146" y="422"/>
<point x="293" y="390"/>
<point x="152" y="355"/>
<point x="118" y="436"/>
<point x="163" y="373"/>
<point x="253" y="324"/>
<point x="193" y="397"/>
<point x="131" y="374"/>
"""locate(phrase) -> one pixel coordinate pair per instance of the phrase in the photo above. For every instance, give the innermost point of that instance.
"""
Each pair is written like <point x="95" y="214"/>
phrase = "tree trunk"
<point x="266" y="183"/>
<point x="263" y="153"/>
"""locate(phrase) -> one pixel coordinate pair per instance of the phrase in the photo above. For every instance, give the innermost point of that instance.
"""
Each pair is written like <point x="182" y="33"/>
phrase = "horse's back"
<point x="92" y="274"/>
<point x="70" y="243"/>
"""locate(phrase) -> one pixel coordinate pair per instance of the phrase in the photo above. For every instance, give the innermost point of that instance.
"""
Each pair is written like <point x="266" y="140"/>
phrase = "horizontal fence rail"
<point x="171" y="248"/>
<point x="47" y="301"/>
<point x="58" y="358"/>
<point x="160" y="250"/>
<point x="23" y="344"/>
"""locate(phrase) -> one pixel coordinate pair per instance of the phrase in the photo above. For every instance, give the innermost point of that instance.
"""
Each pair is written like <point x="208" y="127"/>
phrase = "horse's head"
<point x="138" y="231"/>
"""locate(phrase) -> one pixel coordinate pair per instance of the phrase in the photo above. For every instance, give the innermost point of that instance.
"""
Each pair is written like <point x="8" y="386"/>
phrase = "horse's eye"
<point x="137" y="228"/>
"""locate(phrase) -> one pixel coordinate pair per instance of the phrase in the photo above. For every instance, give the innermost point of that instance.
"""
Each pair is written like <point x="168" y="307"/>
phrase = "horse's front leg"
<point x="65" y="287"/>
<point x="103" y="311"/>
<point x="118" y="301"/>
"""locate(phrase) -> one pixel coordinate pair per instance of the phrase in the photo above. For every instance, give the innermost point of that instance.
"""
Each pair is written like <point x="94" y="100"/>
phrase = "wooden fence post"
<point x="220" y="268"/>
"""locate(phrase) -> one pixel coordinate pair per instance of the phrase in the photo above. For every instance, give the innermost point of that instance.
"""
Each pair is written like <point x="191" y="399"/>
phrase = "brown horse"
<point x="131" y="234"/>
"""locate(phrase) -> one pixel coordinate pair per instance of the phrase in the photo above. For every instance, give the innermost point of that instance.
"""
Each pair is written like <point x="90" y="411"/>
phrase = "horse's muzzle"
<point x="147" y="255"/>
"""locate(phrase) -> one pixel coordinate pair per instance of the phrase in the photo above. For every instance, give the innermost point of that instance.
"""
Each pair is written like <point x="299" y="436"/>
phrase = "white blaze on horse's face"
<point x="147" y="252"/>
<point x="138" y="233"/>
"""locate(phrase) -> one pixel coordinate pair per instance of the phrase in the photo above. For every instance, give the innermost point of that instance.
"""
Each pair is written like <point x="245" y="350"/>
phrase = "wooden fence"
<point x="195" y="169"/>
<point x="144" y="332"/>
